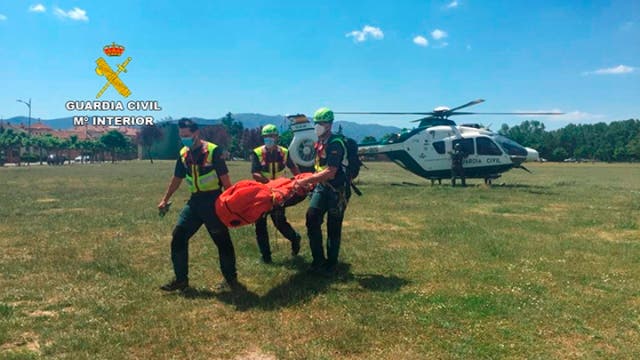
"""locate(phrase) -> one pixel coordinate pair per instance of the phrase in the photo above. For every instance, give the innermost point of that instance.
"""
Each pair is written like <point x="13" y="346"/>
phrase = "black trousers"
<point x="457" y="171"/>
<point x="333" y="203"/>
<point x="199" y="210"/>
<point x="279" y="219"/>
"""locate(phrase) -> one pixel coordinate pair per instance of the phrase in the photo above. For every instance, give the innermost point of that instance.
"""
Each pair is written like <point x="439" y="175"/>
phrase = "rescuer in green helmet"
<point x="269" y="162"/>
<point x="329" y="197"/>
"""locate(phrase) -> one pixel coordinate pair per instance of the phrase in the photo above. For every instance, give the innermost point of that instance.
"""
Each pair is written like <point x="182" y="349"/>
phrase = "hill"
<point x="248" y="120"/>
<point x="352" y="129"/>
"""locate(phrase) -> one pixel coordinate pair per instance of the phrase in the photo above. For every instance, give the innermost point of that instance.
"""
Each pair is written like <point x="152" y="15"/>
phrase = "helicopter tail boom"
<point x="378" y="149"/>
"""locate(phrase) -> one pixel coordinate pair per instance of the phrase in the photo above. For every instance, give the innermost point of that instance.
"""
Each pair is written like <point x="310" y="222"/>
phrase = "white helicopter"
<point x="425" y="150"/>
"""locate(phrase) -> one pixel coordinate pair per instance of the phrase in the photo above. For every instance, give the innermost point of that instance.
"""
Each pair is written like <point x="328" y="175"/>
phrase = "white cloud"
<point x="438" y="34"/>
<point x="74" y="14"/>
<point x="421" y="41"/>
<point x="37" y="8"/>
<point x="453" y="4"/>
<point x="620" y="69"/>
<point x="2" y="17"/>
<point x="365" y="33"/>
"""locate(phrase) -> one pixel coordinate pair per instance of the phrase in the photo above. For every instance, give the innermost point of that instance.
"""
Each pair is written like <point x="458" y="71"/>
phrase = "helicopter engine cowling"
<point x="532" y="155"/>
<point x="301" y="149"/>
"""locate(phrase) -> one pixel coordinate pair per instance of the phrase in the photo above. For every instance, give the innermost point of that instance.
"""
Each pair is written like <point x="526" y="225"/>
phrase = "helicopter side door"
<point x="468" y="147"/>
<point x="436" y="143"/>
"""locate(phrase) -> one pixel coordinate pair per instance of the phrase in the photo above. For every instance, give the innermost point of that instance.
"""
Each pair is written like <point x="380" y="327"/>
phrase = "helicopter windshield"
<point x="511" y="147"/>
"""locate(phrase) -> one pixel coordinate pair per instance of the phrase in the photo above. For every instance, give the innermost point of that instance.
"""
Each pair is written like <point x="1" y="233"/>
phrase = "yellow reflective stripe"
<point x="271" y="171"/>
<point x="196" y="181"/>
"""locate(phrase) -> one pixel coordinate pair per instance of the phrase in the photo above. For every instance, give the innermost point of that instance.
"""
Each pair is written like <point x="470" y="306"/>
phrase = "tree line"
<point x="617" y="141"/>
<point x="237" y="141"/>
<point x="38" y="147"/>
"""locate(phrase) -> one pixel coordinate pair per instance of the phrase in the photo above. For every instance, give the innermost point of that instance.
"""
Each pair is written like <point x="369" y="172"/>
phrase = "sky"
<point x="207" y="58"/>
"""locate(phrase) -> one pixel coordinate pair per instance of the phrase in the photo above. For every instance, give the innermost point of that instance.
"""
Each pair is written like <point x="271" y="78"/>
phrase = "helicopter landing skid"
<point x="490" y="178"/>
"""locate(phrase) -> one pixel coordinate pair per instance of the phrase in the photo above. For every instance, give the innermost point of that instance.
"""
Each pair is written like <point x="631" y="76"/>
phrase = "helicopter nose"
<point x="532" y="154"/>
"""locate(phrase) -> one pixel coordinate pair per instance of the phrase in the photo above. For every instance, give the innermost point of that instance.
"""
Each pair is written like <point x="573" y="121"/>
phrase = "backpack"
<point x="351" y="162"/>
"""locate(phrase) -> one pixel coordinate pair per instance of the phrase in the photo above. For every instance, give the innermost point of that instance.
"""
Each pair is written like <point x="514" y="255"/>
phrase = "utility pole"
<point x="29" y="106"/>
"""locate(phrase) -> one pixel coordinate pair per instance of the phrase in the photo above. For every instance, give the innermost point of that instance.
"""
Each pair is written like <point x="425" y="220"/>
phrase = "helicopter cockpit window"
<point x="466" y="144"/>
<point x="486" y="146"/>
<point x="511" y="147"/>
<point x="439" y="146"/>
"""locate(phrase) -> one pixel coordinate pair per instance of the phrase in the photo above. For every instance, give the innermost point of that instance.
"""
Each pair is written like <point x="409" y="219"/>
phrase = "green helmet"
<point x="269" y="129"/>
<point x="323" y="115"/>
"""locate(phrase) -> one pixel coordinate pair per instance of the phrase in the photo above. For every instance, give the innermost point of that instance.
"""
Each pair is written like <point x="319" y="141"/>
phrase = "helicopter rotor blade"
<point x="382" y="113"/>
<point x="424" y="118"/>
<point x="470" y="103"/>
<point x="506" y="113"/>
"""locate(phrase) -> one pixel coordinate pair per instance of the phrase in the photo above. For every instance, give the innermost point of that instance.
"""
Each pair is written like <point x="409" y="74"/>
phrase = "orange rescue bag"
<point x="247" y="200"/>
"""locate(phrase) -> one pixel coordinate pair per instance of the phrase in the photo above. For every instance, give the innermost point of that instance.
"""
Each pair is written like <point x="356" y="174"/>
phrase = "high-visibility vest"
<point x="321" y="152"/>
<point x="272" y="170"/>
<point x="200" y="177"/>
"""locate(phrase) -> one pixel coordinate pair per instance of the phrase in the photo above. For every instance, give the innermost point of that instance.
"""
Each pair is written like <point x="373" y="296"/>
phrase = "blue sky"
<point x="207" y="58"/>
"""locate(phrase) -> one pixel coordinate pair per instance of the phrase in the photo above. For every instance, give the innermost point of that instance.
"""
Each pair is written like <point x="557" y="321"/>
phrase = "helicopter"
<point x="425" y="150"/>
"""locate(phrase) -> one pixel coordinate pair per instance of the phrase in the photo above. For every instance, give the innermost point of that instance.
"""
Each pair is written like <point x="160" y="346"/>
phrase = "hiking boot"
<point x="228" y="285"/>
<point x="329" y="270"/>
<point x="315" y="269"/>
<point x="175" y="285"/>
<point x="295" y="245"/>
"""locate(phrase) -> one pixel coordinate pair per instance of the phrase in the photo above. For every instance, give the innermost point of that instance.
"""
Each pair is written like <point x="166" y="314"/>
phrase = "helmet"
<point x="269" y="129"/>
<point x="323" y="115"/>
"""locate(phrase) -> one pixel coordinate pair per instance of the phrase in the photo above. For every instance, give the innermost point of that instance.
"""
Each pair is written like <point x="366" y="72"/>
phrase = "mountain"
<point x="248" y="120"/>
<point x="56" y="124"/>
<point x="354" y="130"/>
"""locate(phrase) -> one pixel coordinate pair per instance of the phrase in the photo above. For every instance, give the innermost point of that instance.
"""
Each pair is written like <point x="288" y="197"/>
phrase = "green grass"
<point x="543" y="266"/>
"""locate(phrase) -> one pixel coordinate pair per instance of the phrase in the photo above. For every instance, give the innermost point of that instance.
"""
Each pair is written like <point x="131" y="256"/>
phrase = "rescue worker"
<point x="202" y="165"/>
<point x="269" y="162"/>
<point x="330" y="196"/>
<point x="457" y="168"/>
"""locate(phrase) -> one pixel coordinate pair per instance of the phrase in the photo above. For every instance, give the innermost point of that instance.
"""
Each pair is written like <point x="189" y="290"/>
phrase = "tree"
<point x="27" y="142"/>
<point x="559" y="154"/>
<point x="86" y="148"/>
<point x="217" y="134"/>
<point x="147" y="136"/>
<point x="115" y="142"/>
<point x="234" y="129"/>
<point x="369" y="140"/>
<point x="9" y="140"/>
<point x="251" y="138"/>
<point x="633" y="148"/>
<point x="286" y="138"/>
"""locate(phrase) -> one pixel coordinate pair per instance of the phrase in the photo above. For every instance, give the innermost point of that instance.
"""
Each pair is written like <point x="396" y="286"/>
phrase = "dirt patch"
<point x="43" y="313"/>
<point x="63" y="210"/>
<point x="16" y="254"/>
<point x="255" y="355"/>
<point x="615" y="236"/>
<point x="570" y="345"/>
<point x="46" y="200"/>
<point x="557" y="207"/>
<point x="27" y="342"/>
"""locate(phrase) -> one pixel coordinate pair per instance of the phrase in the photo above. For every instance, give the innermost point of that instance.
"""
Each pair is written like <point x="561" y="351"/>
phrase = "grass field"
<point x="545" y="266"/>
